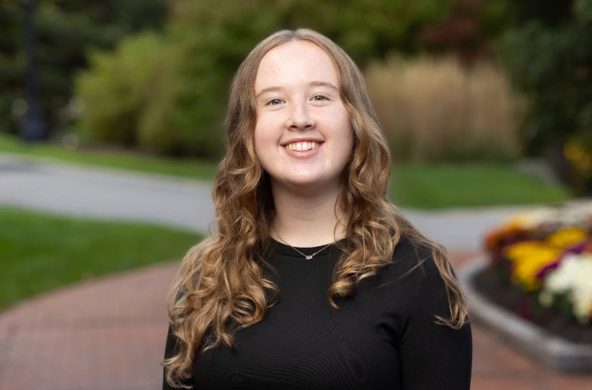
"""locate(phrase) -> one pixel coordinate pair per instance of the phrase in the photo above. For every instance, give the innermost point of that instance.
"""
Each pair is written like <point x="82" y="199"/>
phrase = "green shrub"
<point x="156" y="129"/>
<point x="114" y="89"/>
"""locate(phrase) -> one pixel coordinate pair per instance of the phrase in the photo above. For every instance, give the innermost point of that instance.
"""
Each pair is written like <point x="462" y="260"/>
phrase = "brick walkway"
<point x="108" y="334"/>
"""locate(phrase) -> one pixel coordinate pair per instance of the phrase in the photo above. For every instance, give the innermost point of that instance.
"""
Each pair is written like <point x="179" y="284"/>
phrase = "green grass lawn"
<point x="192" y="168"/>
<point x="433" y="186"/>
<point x="469" y="184"/>
<point x="39" y="252"/>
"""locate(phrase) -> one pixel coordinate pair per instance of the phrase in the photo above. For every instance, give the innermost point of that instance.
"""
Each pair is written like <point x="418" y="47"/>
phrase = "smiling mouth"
<point x="302" y="146"/>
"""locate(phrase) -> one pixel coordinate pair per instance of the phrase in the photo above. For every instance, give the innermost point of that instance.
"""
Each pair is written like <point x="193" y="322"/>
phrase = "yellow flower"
<point x="566" y="237"/>
<point x="528" y="258"/>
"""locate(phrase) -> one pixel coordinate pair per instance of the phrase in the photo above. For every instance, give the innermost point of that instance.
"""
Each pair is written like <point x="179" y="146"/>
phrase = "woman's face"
<point x="303" y="135"/>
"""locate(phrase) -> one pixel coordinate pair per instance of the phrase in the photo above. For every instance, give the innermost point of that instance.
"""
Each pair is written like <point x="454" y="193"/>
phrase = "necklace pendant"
<point x="309" y="257"/>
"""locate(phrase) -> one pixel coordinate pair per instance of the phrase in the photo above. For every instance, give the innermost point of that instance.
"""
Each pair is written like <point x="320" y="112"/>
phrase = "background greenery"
<point x="67" y="30"/>
<point x="154" y="75"/>
<point x="182" y="109"/>
<point x="548" y="54"/>
<point x="165" y="90"/>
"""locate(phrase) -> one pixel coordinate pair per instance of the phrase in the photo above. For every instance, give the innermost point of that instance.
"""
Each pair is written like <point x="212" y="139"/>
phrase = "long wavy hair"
<point x="221" y="287"/>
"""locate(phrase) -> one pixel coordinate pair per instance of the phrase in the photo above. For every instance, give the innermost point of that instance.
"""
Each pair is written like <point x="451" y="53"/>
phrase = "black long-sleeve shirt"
<point x="384" y="337"/>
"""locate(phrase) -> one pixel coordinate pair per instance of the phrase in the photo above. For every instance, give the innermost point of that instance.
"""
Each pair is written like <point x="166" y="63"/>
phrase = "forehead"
<point x="294" y="63"/>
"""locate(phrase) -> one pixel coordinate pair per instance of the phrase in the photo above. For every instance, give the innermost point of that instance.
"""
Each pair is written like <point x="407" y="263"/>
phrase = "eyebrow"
<point x="311" y="84"/>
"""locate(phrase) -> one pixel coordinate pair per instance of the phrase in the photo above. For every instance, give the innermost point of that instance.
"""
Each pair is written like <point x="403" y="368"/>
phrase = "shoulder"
<point x="412" y="276"/>
<point x="413" y="259"/>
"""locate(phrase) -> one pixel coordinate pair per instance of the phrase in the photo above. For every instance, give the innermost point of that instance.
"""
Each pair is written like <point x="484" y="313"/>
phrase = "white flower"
<point x="574" y="277"/>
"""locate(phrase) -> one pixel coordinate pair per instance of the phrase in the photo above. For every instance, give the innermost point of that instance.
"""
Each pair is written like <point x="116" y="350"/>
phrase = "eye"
<point x="320" y="98"/>
<point x="274" y="102"/>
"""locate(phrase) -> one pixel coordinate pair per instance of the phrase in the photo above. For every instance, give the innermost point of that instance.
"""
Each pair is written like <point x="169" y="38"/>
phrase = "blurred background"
<point x="484" y="102"/>
<point x="487" y="81"/>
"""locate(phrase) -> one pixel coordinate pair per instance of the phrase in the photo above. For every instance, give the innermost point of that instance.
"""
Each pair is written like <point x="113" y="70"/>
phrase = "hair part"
<point x="220" y="286"/>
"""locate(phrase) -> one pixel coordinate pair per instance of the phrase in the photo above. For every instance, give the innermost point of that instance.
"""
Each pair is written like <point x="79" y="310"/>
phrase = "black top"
<point x="384" y="337"/>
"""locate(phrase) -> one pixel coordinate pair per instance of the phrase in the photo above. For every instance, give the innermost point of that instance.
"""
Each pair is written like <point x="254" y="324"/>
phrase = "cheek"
<point x="262" y="141"/>
<point x="344" y="148"/>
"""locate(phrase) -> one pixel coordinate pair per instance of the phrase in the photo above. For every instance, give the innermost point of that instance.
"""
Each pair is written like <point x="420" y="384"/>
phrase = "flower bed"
<point x="541" y="269"/>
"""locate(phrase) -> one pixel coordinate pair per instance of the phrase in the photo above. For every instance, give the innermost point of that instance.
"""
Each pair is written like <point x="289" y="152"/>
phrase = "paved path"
<point x="48" y="186"/>
<point x="108" y="334"/>
<point x="109" y="194"/>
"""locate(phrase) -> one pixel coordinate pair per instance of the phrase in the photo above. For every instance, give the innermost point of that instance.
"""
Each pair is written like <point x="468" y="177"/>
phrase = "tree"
<point x="549" y="57"/>
<point x="11" y="64"/>
<point x="67" y="29"/>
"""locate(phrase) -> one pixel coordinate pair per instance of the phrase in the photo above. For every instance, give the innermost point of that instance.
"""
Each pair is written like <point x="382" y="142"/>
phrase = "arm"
<point x="434" y="356"/>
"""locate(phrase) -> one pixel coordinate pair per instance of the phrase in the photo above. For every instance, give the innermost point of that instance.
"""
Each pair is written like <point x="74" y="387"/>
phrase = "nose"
<point x="299" y="118"/>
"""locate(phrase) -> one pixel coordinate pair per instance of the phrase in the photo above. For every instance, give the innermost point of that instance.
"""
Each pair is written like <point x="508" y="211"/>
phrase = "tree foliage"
<point x="469" y="32"/>
<point x="549" y="57"/>
<point x="66" y="30"/>
<point x="10" y="62"/>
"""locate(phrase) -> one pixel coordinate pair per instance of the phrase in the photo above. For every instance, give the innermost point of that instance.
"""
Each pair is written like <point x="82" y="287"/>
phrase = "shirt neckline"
<point x="281" y="248"/>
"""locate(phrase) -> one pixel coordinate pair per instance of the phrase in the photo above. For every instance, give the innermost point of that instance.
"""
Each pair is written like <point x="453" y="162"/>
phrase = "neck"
<point x="305" y="220"/>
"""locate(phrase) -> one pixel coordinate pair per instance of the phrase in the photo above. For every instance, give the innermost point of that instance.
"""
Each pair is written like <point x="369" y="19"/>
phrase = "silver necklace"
<point x="307" y="257"/>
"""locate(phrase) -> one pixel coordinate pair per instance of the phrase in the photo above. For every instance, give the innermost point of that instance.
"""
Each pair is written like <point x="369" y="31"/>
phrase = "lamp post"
<point x="33" y="127"/>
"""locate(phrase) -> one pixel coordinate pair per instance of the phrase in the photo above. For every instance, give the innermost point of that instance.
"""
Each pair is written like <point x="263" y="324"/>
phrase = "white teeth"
<point x="302" y="146"/>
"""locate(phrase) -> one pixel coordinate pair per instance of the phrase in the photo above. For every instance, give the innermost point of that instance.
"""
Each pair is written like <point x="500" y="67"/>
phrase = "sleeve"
<point x="434" y="356"/>
<point x="170" y="350"/>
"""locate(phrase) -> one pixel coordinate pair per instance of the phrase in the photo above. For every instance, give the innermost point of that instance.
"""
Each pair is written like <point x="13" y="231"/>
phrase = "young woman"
<point x="313" y="280"/>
